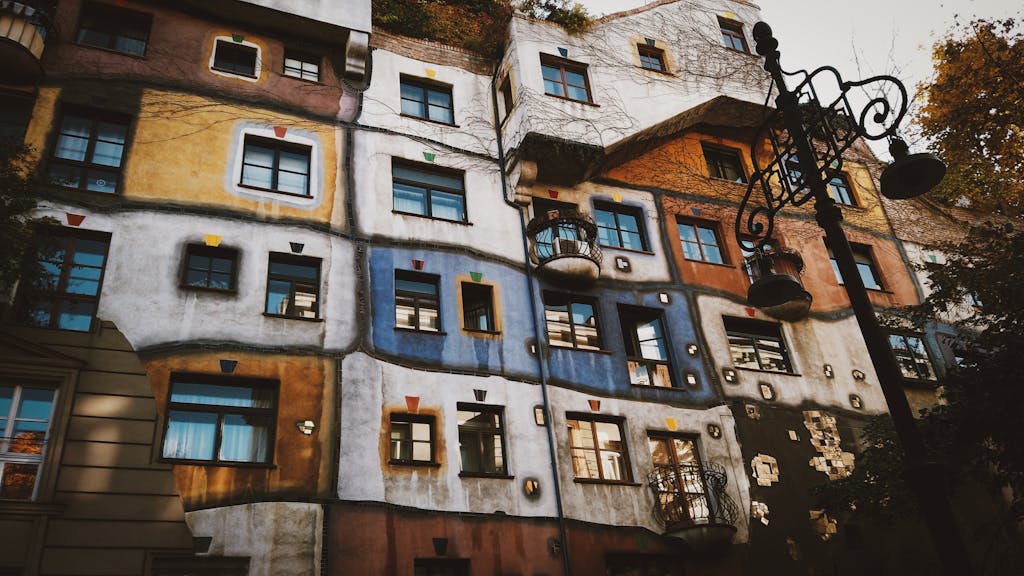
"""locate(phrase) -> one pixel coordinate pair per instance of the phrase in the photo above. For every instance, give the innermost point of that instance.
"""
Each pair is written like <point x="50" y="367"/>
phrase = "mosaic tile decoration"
<point x="759" y="511"/>
<point x="765" y="469"/>
<point x="822" y="525"/>
<point x="833" y="461"/>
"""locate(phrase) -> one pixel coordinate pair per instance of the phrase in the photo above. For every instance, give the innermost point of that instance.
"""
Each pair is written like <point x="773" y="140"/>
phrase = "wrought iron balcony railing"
<point x="691" y="496"/>
<point x="26" y="25"/>
<point x="564" y="246"/>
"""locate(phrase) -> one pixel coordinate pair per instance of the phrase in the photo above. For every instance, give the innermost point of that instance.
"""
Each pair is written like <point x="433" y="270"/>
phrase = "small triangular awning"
<point x="564" y="162"/>
<point x="18" y="350"/>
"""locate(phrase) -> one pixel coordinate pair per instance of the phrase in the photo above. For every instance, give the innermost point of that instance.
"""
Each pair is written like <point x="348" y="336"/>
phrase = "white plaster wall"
<point x="280" y="538"/>
<point x="811" y="343"/>
<point x="493" y="226"/>
<point x="354" y="14"/>
<point x="141" y="286"/>
<point x="471" y="100"/>
<point x="368" y="385"/>
<point x="625" y="97"/>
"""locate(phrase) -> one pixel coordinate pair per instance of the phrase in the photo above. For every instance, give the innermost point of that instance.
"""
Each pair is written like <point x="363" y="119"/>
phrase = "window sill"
<point x="661" y="72"/>
<point x="221" y="464"/>
<point x="486" y="475"/>
<point x="605" y="482"/>
<point x="482" y="333"/>
<point x="721" y="264"/>
<point x="567" y="99"/>
<point x="767" y="371"/>
<point x="271" y="190"/>
<point x="225" y="291"/>
<point x="234" y="73"/>
<point x="110" y="50"/>
<point x="575" y="349"/>
<point x="287" y="317"/>
<point x="415" y="331"/>
<point x="394" y="462"/>
<point x="431" y="120"/>
<point x="429" y="217"/>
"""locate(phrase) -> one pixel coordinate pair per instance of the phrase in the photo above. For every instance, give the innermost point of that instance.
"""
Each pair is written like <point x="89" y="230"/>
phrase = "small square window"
<point x="481" y="439"/>
<point x="25" y="417"/>
<point x="571" y="322"/>
<point x="427" y="100"/>
<point x="411" y="439"/>
<point x="235" y="58"/>
<point x="651" y="58"/>
<point x="428" y="191"/>
<point x="478" y="307"/>
<point x="275" y="165"/>
<point x="912" y="357"/>
<point x="417" y="306"/>
<point x="619" y="226"/>
<point x="724" y="163"/>
<point x="646" y="344"/>
<point x="839" y="189"/>
<point x="757" y="345"/>
<point x="598" y="448"/>
<point x="732" y="35"/>
<point x="302" y="65"/>
<point x="564" y="78"/>
<point x="89" y="151"/>
<point x="865" y="266"/>
<point x="293" y="286"/>
<point x="210" y="267"/>
<point x="73" y="263"/>
<point x="700" y="242"/>
<point x="220" y="419"/>
<point x="114" y="28"/>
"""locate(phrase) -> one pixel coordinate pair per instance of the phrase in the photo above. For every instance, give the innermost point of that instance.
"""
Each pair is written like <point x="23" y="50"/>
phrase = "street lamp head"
<point x="910" y="175"/>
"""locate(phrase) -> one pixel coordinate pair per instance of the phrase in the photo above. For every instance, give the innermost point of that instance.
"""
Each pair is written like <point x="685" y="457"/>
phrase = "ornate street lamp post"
<point x="808" y="138"/>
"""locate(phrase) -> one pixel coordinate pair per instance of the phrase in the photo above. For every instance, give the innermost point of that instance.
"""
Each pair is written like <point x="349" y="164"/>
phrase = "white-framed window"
<point x="236" y="59"/>
<point x="26" y="413"/>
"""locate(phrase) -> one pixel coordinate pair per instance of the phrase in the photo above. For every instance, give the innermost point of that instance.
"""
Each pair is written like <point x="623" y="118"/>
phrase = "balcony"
<point x="691" y="501"/>
<point x="775" y="287"/>
<point x="563" y="247"/>
<point x="24" y="27"/>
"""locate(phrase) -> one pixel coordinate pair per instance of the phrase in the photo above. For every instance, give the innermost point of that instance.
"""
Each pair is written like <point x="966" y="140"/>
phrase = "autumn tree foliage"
<point x="974" y="114"/>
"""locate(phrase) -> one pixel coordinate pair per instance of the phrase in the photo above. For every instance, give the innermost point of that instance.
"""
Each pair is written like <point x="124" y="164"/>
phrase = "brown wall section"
<point x="301" y="464"/>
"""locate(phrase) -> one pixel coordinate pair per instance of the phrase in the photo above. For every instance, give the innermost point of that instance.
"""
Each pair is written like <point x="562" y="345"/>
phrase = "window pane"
<point x="76" y="315"/>
<point x="278" y="293"/>
<point x="190" y="435"/>
<point x="554" y="88"/>
<point x="431" y="179"/>
<point x="421" y="287"/>
<point x="101" y="181"/>
<point x="579" y="94"/>
<point x="220" y="395"/>
<point x="259" y="156"/>
<point x="447" y="206"/>
<point x="71" y="147"/>
<point x="244" y="438"/>
<point x="257" y="176"/>
<point x="293" y="183"/>
<point x="713" y="254"/>
<point x="19" y="481"/>
<point x="36" y="404"/>
<point x="289" y="270"/>
<point x="410" y="199"/>
<point x="551" y="73"/>
<point x="296" y="162"/>
<point x="743" y="354"/>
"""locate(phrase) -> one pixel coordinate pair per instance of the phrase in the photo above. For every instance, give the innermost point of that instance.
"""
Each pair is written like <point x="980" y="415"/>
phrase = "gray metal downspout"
<point x="542" y="366"/>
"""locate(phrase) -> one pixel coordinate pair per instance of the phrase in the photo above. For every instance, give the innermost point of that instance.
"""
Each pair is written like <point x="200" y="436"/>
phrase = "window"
<point x="732" y="35"/>
<point x="301" y="65"/>
<point x="275" y="165"/>
<point x="427" y="100"/>
<point x="643" y="334"/>
<point x="700" y="242"/>
<point x="106" y="26"/>
<point x="598" y="450"/>
<point x="564" y="78"/>
<point x="72" y="262"/>
<point x="293" y="286"/>
<point x="839" y="189"/>
<point x="89" y="150"/>
<point x="506" y="100"/>
<point x="236" y="58"/>
<point x="619" y="226"/>
<point x="412" y="439"/>
<point x="210" y="267"/>
<point x="417" y="306"/>
<point x="571" y="322"/>
<point x="682" y="495"/>
<point x="651" y="58"/>
<point x="865" y="266"/>
<point x="441" y="567"/>
<point x="221" y="420"/>
<point x="481" y="439"/>
<point x="25" y="414"/>
<point x="478" y="307"/>
<point x="912" y="357"/>
<point x="724" y="163"/>
<point x="432" y="192"/>
<point x="757" y="345"/>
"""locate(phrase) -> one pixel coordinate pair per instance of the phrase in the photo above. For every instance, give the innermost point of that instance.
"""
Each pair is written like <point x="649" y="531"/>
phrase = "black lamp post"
<point x="808" y="138"/>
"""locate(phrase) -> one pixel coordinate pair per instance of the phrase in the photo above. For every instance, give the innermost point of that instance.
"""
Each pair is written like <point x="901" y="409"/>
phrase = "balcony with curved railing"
<point x="775" y="287"/>
<point x="692" y="502"/>
<point x="563" y="247"/>
<point x="24" y="27"/>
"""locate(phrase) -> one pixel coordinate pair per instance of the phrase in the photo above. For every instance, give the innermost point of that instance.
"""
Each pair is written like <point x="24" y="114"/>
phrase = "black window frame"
<point x="755" y="331"/>
<point x="429" y="188"/>
<point x="617" y="210"/>
<point x="62" y="241"/>
<point x="209" y="252"/>
<point x="563" y="65"/>
<point x="507" y="97"/>
<point x="116" y="24"/>
<point x="594" y="419"/>
<point x="419" y="300"/>
<point x="277" y="146"/>
<point x="915" y="359"/>
<point x="630" y="320"/>
<point x="649" y="54"/>
<point x="487" y="307"/>
<point x="83" y="169"/>
<point x="479" y="433"/>
<point x="229" y="48"/>
<point x="426" y="87"/>
<point x="718" y="158"/>
<point x="293" y="260"/>
<point x="733" y="31"/>
<point x="864" y="258"/>
<point x="699" y="225"/>
<point x="29" y="447"/>
<point x="844" y="199"/>
<point x="303" y="58"/>
<point x="270" y="414"/>
<point x="570" y="300"/>
<point x="410" y="418"/>
<point x="687" y="475"/>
